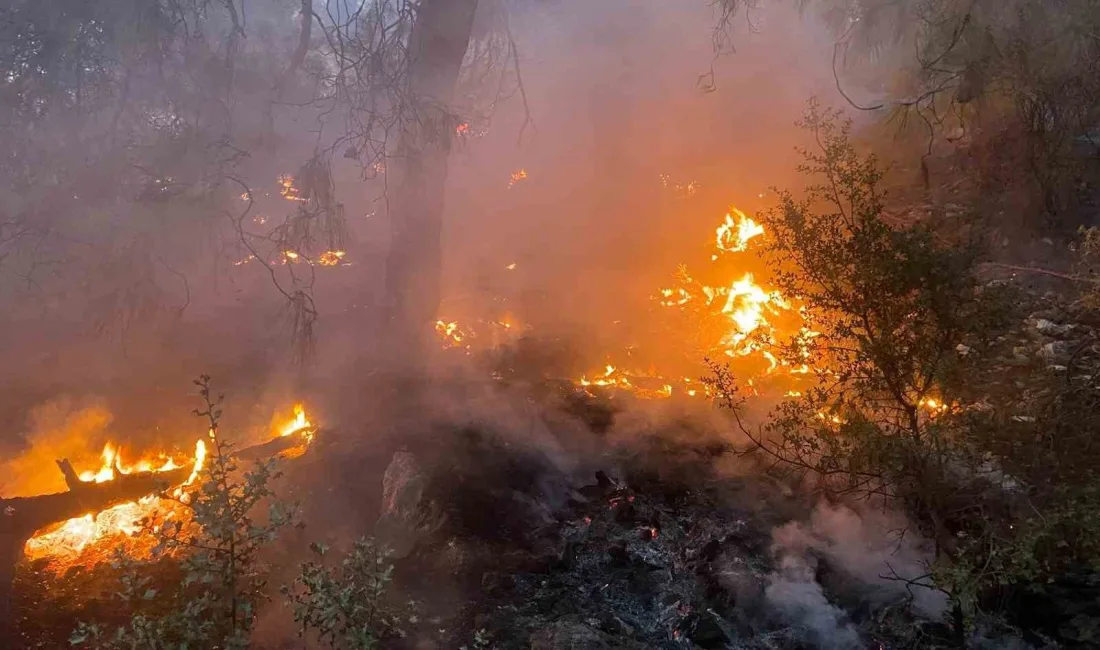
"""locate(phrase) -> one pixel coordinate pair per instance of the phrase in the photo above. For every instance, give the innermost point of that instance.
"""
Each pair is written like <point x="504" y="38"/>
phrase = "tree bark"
<point x="414" y="267"/>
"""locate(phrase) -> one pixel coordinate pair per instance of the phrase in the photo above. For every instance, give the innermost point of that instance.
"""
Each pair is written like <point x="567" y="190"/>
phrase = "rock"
<point x="1053" y="315"/>
<point x="569" y="636"/>
<point x="1055" y="351"/>
<point x="963" y="350"/>
<point x="708" y="634"/>
<point x="710" y="551"/>
<point x="618" y="554"/>
<point x="614" y="625"/>
<point x="1050" y="328"/>
<point x="408" y="517"/>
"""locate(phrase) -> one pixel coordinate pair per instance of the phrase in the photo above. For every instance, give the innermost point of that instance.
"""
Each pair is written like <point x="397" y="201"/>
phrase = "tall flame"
<point x="746" y="305"/>
<point x="299" y="423"/>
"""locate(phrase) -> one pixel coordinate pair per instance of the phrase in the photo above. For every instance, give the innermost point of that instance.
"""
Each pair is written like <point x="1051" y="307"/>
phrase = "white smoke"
<point x="798" y="597"/>
<point x="876" y="550"/>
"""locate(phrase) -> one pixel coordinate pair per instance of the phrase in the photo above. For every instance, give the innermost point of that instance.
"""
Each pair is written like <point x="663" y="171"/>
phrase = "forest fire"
<point x="88" y="538"/>
<point x="91" y="538"/>
<point x="739" y="320"/>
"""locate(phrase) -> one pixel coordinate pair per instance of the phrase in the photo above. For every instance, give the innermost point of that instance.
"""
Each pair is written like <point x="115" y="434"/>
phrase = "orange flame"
<point x="331" y="258"/>
<point x="89" y="538"/>
<point x="65" y="543"/>
<point x="733" y="236"/>
<point x="453" y="336"/>
<point x="287" y="189"/>
<point x="746" y="304"/>
<point x="299" y="423"/>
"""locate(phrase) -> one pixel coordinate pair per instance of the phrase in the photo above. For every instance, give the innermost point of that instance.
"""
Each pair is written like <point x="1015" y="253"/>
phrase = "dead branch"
<point x="1042" y="271"/>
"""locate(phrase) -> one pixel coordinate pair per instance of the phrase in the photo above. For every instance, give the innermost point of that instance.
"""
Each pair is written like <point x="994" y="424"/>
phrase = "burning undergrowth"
<point x="723" y="308"/>
<point x="547" y="515"/>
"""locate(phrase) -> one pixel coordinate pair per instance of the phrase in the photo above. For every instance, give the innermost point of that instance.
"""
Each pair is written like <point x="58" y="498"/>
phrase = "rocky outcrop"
<point x="408" y="517"/>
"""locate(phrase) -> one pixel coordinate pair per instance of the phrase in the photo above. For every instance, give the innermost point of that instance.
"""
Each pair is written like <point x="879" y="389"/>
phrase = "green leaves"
<point x="345" y="606"/>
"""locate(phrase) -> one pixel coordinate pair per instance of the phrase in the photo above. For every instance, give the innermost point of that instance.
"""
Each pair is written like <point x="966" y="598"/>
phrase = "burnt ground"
<point x="658" y="540"/>
<point x="579" y="537"/>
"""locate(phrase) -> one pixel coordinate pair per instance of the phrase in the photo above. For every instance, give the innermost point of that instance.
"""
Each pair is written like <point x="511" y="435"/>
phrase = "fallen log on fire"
<point x="22" y="517"/>
<point x="289" y="446"/>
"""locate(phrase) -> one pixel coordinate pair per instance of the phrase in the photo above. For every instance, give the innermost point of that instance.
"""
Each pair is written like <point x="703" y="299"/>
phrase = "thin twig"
<point x="1042" y="271"/>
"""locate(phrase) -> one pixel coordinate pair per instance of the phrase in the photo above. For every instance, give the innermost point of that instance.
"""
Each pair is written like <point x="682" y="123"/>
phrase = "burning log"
<point x="285" y="446"/>
<point x="21" y="517"/>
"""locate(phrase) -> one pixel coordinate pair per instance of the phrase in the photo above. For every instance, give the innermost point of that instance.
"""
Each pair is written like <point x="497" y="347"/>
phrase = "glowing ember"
<point x="684" y="189"/>
<point x="70" y="540"/>
<point x="517" y="176"/>
<point x="287" y="189"/>
<point x="331" y="258"/>
<point x="647" y="385"/>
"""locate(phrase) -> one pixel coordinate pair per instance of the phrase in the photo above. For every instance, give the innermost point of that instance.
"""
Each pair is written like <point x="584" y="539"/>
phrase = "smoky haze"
<point x="618" y="100"/>
<point x="629" y="105"/>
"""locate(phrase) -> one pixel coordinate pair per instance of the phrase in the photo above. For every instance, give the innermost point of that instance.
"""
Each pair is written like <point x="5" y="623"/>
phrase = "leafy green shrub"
<point x="345" y="605"/>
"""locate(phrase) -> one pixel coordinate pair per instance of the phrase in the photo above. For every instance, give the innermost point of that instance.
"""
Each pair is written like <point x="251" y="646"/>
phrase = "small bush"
<point x="345" y="605"/>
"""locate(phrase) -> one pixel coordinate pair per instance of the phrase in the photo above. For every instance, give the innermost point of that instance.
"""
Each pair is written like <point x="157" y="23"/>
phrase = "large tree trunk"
<point x="437" y="46"/>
